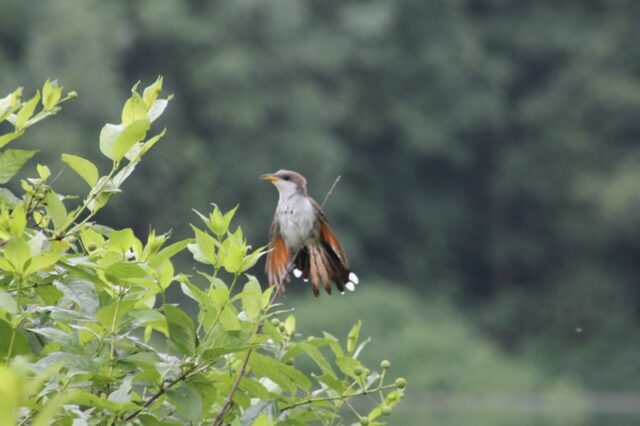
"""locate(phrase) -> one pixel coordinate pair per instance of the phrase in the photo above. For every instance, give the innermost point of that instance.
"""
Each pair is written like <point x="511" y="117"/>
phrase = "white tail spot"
<point x="350" y="286"/>
<point x="297" y="273"/>
<point x="353" y="278"/>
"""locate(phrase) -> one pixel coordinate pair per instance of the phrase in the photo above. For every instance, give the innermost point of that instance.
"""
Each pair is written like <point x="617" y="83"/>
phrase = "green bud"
<point x="364" y="421"/>
<point x="401" y="383"/>
<point x="358" y="371"/>
<point x="289" y="362"/>
<point x="385" y="364"/>
<point x="275" y="321"/>
<point x="282" y="328"/>
<point x="386" y="410"/>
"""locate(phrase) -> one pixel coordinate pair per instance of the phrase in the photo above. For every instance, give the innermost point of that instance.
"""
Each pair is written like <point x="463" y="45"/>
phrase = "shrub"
<point x="88" y="336"/>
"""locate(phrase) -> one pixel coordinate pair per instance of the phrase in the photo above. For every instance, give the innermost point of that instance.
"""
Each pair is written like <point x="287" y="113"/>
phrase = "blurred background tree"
<point x="488" y="151"/>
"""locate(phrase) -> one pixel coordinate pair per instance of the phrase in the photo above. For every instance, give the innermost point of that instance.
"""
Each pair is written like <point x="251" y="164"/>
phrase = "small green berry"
<point x="358" y="371"/>
<point x="401" y="383"/>
<point x="386" y="410"/>
<point x="282" y="328"/>
<point x="385" y="364"/>
<point x="289" y="362"/>
<point x="364" y="421"/>
<point x="275" y="321"/>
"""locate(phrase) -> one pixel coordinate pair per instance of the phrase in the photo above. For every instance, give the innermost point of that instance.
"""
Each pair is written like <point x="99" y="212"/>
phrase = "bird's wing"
<point x="328" y="237"/>
<point x="278" y="256"/>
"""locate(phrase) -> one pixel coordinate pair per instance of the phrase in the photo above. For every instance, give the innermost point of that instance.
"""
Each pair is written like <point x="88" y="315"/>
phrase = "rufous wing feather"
<point x="329" y="238"/>
<point x="277" y="258"/>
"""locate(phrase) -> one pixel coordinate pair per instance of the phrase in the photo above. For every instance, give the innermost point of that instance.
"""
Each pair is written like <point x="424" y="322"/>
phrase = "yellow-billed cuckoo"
<point x="300" y="229"/>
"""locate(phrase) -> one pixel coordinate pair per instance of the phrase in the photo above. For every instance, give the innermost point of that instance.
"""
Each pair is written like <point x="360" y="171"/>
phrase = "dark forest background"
<point x="490" y="165"/>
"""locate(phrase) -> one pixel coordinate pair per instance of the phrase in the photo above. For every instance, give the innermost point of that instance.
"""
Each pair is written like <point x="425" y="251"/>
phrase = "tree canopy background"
<point x="488" y="153"/>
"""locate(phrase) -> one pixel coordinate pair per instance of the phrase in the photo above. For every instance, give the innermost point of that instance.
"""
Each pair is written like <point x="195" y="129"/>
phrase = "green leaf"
<point x="91" y="239"/>
<point x="285" y="376"/>
<point x="229" y="318"/>
<point x="121" y="240"/>
<point x="348" y="365"/>
<point x="124" y="271"/>
<point x="26" y="111"/>
<point x="151" y="92"/>
<point x="187" y="402"/>
<point x="315" y="354"/>
<point x="7" y="303"/>
<point x="18" y="220"/>
<point x="151" y="318"/>
<point x="157" y="109"/>
<point x="80" y="292"/>
<point x="194" y="292"/>
<point x="85" y="168"/>
<point x="132" y="134"/>
<point x="122" y="395"/>
<point x="233" y="252"/>
<point x="20" y="345"/>
<point x="290" y="324"/>
<point x="10" y="103"/>
<point x="10" y="137"/>
<point x="352" y="337"/>
<point x="251" y="298"/>
<point x="43" y="172"/>
<point x="51" y="94"/>
<point x="204" y="248"/>
<point x="250" y="260"/>
<point x="134" y="109"/>
<point x="17" y="252"/>
<point x="42" y="261"/>
<point x="263" y="420"/>
<point x="11" y="161"/>
<point x="181" y="330"/>
<point x="219" y="296"/>
<point x="108" y="136"/>
<point x="56" y="209"/>
<point x="167" y="253"/>
<point x="113" y="313"/>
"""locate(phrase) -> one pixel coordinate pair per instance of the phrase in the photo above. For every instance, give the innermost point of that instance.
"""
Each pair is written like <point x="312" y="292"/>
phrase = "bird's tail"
<point x="320" y="264"/>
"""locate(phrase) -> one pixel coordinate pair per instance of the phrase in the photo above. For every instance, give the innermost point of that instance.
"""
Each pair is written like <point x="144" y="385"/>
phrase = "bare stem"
<point x="14" y="328"/>
<point x="335" y="398"/>
<point x="330" y="192"/>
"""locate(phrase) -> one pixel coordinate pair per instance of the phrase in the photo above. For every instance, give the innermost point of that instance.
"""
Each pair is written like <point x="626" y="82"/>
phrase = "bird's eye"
<point x="286" y="177"/>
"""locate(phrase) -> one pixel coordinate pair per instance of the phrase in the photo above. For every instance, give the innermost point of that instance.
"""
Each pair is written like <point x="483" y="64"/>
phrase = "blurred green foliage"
<point x="488" y="148"/>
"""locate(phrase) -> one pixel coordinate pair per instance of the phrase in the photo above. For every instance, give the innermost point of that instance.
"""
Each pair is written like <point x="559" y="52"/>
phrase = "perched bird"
<point x="301" y="229"/>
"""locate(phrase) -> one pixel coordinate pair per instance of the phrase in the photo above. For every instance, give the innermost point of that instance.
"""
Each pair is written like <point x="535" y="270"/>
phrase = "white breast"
<point x="296" y="217"/>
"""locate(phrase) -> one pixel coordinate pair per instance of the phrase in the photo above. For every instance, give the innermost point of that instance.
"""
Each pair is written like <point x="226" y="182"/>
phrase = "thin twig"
<point x="345" y="396"/>
<point x="159" y="393"/>
<point x="326" y="197"/>
<point x="229" y="400"/>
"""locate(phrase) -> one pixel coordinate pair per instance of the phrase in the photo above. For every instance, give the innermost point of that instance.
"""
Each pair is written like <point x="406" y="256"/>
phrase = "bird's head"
<point x="287" y="182"/>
